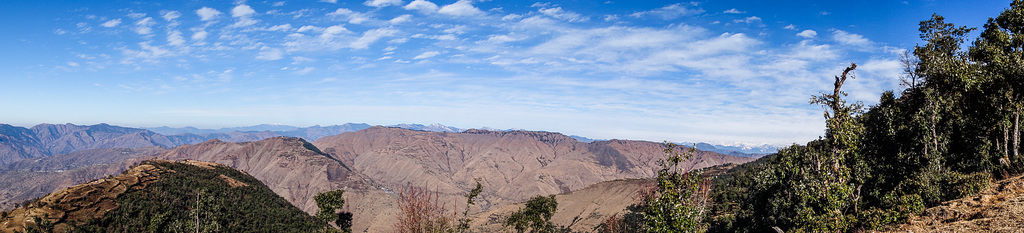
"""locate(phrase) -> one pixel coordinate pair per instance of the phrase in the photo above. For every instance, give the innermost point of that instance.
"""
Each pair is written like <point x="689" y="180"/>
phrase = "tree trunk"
<point x="1006" y="142"/>
<point x="1016" y="134"/>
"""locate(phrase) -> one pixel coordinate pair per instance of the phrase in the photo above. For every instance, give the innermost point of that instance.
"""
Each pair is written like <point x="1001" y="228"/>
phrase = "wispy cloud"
<point x="111" y="23"/>
<point x="144" y="26"/>
<point x="654" y="66"/>
<point x="850" y="39"/>
<point x="807" y="34"/>
<point x="427" y="54"/>
<point x="672" y="11"/>
<point x="383" y="3"/>
<point x="461" y="8"/>
<point x="422" y="6"/>
<point x="207" y="14"/>
<point x="733" y="11"/>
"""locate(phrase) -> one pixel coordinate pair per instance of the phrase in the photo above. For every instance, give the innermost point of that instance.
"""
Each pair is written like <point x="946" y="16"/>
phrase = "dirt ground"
<point x="1000" y="208"/>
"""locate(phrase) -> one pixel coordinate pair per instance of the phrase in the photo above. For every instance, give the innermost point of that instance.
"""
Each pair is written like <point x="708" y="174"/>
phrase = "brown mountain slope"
<point x="286" y="165"/>
<point x="297" y="171"/>
<point x="80" y="202"/>
<point x="513" y="166"/>
<point x="28" y="179"/>
<point x="582" y="209"/>
<point x="999" y="208"/>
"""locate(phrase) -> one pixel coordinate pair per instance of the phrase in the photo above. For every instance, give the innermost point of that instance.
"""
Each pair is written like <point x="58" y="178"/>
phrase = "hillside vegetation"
<point x="953" y="129"/>
<point x="164" y="196"/>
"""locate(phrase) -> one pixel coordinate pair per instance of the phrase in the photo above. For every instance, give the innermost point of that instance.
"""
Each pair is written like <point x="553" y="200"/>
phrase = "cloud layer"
<point x="663" y="73"/>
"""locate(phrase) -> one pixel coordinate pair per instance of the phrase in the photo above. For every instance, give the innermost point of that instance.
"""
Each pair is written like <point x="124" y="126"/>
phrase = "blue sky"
<point x="713" y="71"/>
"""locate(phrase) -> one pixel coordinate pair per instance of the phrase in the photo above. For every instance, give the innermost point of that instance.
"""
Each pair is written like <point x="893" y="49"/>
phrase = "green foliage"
<point x="330" y="205"/>
<point x="953" y="129"/>
<point x="678" y="203"/>
<point x="193" y="198"/>
<point x="536" y="216"/>
<point x="470" y="201"/>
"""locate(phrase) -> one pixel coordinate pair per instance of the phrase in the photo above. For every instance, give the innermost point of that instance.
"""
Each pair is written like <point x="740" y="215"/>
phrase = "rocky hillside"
<point x="28" y="179"/>
<point x="166" y="195"/>
<point x="374" y="164"/>
<point x="582" y="210"/>
<point x="297" y="171"/>
<point x="512" y="165"/>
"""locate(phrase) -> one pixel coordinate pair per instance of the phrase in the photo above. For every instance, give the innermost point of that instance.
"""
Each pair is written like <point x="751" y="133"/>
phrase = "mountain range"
<point x="315" y="132"/>
<point x="371" y="165"/>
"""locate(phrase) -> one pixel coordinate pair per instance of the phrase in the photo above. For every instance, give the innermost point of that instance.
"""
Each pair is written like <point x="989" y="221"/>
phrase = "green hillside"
<point x="165" y="196"/>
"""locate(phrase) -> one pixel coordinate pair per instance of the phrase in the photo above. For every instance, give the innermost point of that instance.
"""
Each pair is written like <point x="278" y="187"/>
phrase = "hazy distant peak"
<point x="431" y="128"/>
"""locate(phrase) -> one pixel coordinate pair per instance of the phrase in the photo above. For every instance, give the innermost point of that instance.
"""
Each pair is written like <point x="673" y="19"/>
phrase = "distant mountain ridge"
<point x="18" y="143"/>
<point x="753" y="151"/>
<point x="371" y="164"/>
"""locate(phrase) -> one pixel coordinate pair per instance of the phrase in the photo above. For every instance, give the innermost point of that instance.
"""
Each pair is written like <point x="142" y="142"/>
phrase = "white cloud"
<point x="270" y="54"/>
<point x="330" y="1"/>
<point x="807" y="34"/>
<point x="427" y="54"/>
<point x="308" y="70"/>
<point x="461" y="8"/>
<point x="422" y="6"/>
<point x="558" y="13"/>
<point x="805" y="50"/>
<point x="336" y="29"/>
<point x="171" y="15"/>
<point x="889" y="71"/>
<point x="671" y="11"/>
<point x="310" y="28"/>
<point x="111" y="23"/>
<point x="734" y="11"/>
<point x="401" y="19"/>
<point x="846" y="38"/>
<point x="512" y="17"/>
<point x="750" y="20"/>
<point x="352" y="16"/>
<point x="199" y="35"/>
<point x="371" y="36"/>
<point x="245" y="21"/>
<point x="244" y="14"/>
<point x="242" y="11"/>
<point x="383" y="3"/>
<point x="147" y="53"/>
<point x="502" y="39"/>
<point x="207" y="14"/>
<point x="282" y="27"/>
<point x="175" y="38"/>
<point x="610" y="18"/>
<point x="458" y="29"/>
<point x="790" y="27"/>
<point x="144" y="26"/>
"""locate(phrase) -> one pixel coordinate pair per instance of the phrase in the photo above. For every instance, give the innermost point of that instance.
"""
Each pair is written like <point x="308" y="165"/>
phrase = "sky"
<point x="730" y="72"/>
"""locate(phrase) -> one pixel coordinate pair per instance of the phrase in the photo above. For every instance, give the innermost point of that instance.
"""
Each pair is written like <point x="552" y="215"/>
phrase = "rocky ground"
<point x="1000" y="208"/>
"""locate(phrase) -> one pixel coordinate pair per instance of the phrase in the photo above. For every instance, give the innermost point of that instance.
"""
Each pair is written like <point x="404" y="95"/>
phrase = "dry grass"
<point x="1000" y="208"/>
